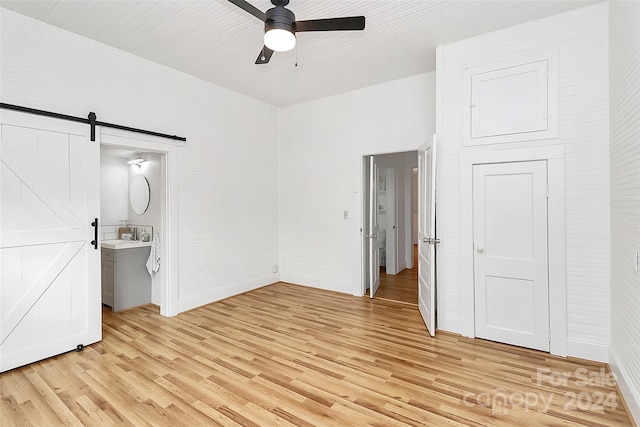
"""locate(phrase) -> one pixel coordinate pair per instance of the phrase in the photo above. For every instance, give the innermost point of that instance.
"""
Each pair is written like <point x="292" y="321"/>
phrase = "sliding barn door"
<point x="50" y="276"/>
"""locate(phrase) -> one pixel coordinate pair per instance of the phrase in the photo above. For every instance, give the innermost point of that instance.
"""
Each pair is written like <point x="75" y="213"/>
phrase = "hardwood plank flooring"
<point x="288" y="355"/>
<point x="401" y="287"/>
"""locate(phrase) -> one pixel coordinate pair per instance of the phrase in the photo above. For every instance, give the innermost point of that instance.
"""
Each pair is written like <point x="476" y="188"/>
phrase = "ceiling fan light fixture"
<point x="280" y="26"/>
<point x="279" y="40"/>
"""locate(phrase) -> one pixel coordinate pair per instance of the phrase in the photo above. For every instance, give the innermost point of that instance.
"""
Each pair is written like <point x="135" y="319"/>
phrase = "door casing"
<point x="358" y="200"/>
<point x="554" y="155"/>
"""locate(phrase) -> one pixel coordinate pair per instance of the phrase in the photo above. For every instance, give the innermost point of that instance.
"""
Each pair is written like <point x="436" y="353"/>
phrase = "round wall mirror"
<point x="139" y="194"/>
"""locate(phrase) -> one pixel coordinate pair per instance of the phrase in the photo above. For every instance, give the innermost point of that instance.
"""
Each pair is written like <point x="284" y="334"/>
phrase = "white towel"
<point x="153" y="263"/>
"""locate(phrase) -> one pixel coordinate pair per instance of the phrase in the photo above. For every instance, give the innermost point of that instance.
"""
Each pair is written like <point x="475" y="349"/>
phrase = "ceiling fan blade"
<point x="248" y="7"/>
<point x="331" y="24"/>
<point x="265" y="55"/>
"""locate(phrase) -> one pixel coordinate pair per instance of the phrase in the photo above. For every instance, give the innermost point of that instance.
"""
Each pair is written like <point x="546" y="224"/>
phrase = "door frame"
<point x="358" y="153"/>
<point x="554" y="155"/>
<point x="169" y="240"/>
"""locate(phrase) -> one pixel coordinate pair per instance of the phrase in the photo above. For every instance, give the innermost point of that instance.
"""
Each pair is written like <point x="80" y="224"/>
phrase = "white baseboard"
<point x="588" y="350"/>
<point x="629" y="392"/>
<point x="216" y="294"/>
<point x="315" y="283"/>
<point x="448" y="324"/>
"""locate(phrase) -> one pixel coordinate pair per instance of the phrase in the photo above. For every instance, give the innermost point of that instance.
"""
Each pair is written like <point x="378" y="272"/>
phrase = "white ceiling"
<point x="217" y="41"/>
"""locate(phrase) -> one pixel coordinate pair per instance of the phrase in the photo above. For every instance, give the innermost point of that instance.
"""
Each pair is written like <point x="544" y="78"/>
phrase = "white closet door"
<point x="50" y="278"/>
<point x="510" y="253"/>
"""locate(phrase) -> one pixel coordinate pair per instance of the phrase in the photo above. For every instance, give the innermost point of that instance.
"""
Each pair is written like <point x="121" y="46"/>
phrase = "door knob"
<point x="480" y="249"/>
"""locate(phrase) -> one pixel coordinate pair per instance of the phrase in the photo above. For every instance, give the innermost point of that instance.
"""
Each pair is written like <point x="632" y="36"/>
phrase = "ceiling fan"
<point x="280" y="26"/>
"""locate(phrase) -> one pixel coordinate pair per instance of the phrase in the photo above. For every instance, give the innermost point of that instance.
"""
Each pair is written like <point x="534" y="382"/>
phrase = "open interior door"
<point x="372" y="229"/>
<point x="49" y="246"/>
<point x="427" y="234"/>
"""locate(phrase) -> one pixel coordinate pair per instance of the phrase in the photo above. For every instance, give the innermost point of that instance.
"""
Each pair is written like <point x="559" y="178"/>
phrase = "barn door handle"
<point x="94" y="242"/>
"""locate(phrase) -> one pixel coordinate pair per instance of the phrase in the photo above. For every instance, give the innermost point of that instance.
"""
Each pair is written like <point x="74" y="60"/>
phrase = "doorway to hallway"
<point x="371" y="233"/>
<point x="390" y="185"/>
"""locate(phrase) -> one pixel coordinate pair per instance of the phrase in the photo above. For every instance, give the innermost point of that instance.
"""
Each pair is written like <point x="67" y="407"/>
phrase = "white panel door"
<point x="50" y="192"/>
<point x="373" y="229"/>
<point x="510" y="253"/>
<point x="427" y="234"/>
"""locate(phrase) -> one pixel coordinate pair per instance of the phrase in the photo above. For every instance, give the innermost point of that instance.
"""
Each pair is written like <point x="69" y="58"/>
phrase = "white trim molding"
<point x="554" y="155"/>
<point x="629" y="391"/>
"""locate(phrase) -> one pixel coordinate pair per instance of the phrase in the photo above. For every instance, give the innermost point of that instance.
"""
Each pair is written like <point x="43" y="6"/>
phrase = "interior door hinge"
<point x="547" y="191"/>
<point x="549" y="335"/>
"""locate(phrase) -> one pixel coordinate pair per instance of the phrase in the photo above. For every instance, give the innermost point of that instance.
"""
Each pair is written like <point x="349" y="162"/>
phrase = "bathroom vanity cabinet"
<point x="125" y="280"/>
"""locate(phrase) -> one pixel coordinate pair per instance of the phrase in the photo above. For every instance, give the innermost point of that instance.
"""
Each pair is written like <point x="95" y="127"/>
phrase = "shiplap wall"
<point x="317" y="140"/>
<point x="581" y="40"/>
<point x="227" y="171"/>
<point x="624" y="75"/>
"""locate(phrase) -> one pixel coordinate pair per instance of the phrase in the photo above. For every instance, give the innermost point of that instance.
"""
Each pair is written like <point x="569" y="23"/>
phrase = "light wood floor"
<point x="402" y="287"/>
<point x="291" y="355"/>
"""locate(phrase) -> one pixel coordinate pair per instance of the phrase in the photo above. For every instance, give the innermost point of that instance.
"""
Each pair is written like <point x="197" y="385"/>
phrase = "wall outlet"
<point x="274" y="268"/>
<point x="346" y="214"/>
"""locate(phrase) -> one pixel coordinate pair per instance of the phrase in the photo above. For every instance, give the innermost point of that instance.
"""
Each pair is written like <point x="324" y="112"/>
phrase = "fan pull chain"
<point x="296" y="54"/>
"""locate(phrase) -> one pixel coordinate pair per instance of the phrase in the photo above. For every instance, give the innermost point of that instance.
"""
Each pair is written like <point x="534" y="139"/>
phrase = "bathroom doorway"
<point x="160" y="168"/>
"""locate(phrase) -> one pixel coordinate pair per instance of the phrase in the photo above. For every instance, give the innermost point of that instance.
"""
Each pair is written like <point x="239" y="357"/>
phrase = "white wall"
<point x="318" y="140"/>
<point x="227" y="171"/>
<point x="580" y="38"/>
<point x="114" y="190"/>
<point x="152" y="171"/>
<point x="624" y="74"/>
